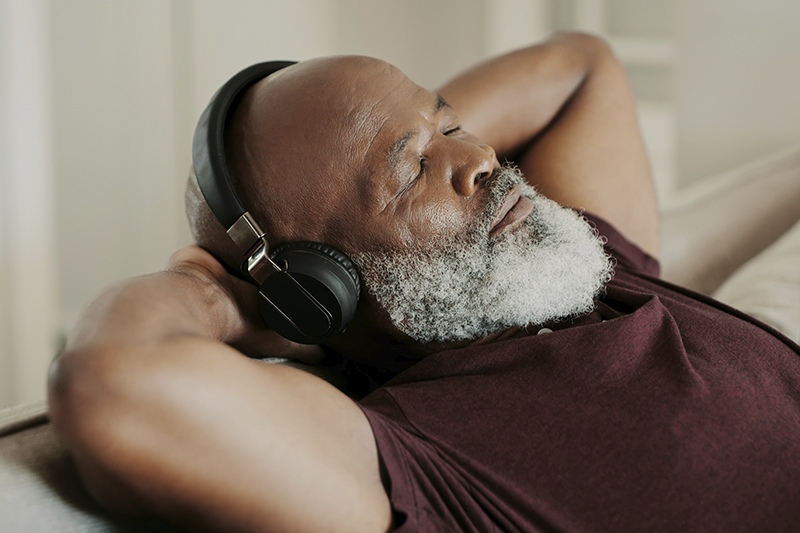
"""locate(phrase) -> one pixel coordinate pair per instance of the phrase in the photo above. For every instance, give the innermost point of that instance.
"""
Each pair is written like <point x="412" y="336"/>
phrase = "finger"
<point x="194" y="256"/>
<point x="268" y="343"/>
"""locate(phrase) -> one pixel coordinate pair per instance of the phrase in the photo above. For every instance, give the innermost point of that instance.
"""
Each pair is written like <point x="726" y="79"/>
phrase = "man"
<point x="526" y="392"/>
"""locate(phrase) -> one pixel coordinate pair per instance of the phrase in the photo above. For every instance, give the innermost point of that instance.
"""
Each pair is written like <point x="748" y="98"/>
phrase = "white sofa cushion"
<point x="714" y="226"/>
<point x="768" y="286"/>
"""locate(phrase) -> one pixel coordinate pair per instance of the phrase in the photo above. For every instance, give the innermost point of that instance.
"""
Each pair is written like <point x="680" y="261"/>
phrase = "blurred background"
<point x="98" y="101"/>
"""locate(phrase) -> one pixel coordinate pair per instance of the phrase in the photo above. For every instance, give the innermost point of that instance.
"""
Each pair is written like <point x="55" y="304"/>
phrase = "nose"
<point x="471" y="166"/>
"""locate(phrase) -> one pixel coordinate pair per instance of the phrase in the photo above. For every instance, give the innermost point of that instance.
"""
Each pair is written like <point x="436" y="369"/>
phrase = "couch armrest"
<point x="715" y="226"/>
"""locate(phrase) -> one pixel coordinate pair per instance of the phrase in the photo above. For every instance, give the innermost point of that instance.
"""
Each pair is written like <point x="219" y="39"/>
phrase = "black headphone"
<point x="308" y="291"/>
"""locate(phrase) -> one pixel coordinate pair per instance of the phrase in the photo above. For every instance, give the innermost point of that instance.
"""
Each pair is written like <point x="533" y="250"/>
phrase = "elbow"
<point x="69" y="403"/>
<point x="593" y="58"/>
<point x="583" y="40"/>
<point x="77" y="382"/>
<point x="85" y="410"/>
<point x="586" y="49"/>
<point x="594" y="47"/>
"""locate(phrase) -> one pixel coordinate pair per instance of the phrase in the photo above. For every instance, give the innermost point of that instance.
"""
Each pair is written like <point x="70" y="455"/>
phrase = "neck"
<point x="394" y="351"/>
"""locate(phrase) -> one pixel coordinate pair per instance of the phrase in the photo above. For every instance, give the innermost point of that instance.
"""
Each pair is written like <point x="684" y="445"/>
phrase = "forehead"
<point x="353" y="103"/>
<point x="336" y="101"/>
<point x="322" y="130"/>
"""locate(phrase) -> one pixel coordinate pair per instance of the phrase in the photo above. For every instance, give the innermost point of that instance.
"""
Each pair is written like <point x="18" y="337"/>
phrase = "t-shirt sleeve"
<point x="627" y="254"/>
<point x="394" y="471"/>
<point x="427" y="494"/>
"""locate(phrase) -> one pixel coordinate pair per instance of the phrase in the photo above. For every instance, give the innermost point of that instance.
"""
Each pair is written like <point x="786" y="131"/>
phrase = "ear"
<point x="207" y="231"/>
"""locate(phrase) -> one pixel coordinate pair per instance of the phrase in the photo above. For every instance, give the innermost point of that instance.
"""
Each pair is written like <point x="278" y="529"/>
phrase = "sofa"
<point x="735" y="236"/>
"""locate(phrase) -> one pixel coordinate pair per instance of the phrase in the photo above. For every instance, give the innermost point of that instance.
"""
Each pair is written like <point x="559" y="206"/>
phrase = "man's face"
<point x="358" y="156"/>
<point x="551" y="267"/>
<point x="361" y="158"/>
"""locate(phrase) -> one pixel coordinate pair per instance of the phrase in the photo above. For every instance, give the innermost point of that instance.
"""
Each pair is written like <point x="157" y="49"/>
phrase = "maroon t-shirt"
<point x="662" y="410"/>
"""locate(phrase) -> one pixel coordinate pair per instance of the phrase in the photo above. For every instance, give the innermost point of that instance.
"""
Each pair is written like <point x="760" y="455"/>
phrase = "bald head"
<point x="293" y="150"/>
<point x="293" y="142"/>
<point x="349" y="152"/>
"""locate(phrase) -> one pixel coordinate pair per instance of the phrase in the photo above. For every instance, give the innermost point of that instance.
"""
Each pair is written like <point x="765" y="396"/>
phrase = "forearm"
<point x="162" y="417"/>
<point x="564" y="112"/>
<point x="507" y="101"/>
<point x="153" y="309"/>
<point x="116" y="389"/>
<point x="97" y="385"/>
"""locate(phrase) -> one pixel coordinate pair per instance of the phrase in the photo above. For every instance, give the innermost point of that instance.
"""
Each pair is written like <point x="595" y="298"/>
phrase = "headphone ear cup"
<point x="327" y="301"/>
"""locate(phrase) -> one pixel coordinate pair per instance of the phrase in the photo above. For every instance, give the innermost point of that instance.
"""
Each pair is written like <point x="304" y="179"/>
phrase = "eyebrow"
<point x="394" y="153"/>
<point x="396" y="150"/>
<point x="441" y="103"/>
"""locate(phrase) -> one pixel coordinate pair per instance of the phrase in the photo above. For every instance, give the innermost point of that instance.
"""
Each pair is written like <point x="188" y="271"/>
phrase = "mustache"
<point x="498" y="185"/>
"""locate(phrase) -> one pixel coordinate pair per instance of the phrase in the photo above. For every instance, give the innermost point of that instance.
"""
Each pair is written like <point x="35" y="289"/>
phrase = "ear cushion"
<point x="334" y="253"/>
<point x="328" y="298"/>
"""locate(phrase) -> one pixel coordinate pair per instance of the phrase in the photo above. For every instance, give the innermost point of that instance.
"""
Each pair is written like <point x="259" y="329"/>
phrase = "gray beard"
<point x="553" y="267"/>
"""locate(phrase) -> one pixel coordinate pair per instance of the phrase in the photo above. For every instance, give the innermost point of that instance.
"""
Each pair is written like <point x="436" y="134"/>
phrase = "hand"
<point x="247" y="331"/>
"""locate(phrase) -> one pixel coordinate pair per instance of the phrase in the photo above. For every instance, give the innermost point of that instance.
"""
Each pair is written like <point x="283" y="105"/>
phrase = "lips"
<point x="515" y="209"/>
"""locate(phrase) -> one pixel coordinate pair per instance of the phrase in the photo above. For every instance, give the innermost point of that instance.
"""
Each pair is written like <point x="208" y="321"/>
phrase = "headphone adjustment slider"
<point x="245" y="232"/>
<point x="259" y="265"/>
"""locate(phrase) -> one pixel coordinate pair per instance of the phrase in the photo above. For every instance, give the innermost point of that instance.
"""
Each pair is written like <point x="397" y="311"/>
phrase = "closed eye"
<point x="451" y="131"/>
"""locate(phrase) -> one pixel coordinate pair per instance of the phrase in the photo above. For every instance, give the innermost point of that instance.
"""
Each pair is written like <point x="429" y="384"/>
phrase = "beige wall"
<point x="429" y="41"/>
<point x="737" y="82"/>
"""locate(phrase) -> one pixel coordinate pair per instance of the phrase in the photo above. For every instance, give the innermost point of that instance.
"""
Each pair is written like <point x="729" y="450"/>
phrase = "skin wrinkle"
<point x="372" y="189"/>
<point x="436" y="214"/>
<point x="368" y="113"/>
<point x="395" y="151"/>
<point x="356" y="124"/>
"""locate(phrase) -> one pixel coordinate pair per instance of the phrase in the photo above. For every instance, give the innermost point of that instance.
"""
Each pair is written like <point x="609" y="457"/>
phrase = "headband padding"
<point x="208" y="144"/>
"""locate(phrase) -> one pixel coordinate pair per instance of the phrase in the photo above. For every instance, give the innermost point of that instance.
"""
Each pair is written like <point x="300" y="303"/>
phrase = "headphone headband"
<point x="313" y="293"/>
<point x="210" y="162"/>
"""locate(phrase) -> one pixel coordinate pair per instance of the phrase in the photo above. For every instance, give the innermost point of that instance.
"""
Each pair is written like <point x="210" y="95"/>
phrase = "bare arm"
<point x="564" y="111"/>
<point x="163" y="417"/>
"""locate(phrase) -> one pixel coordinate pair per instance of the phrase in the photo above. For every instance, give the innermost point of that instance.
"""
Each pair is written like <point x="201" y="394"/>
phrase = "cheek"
<point x="355" y="234"/>
<point x="440" y="219"/>
<point x="413" y="222"/>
